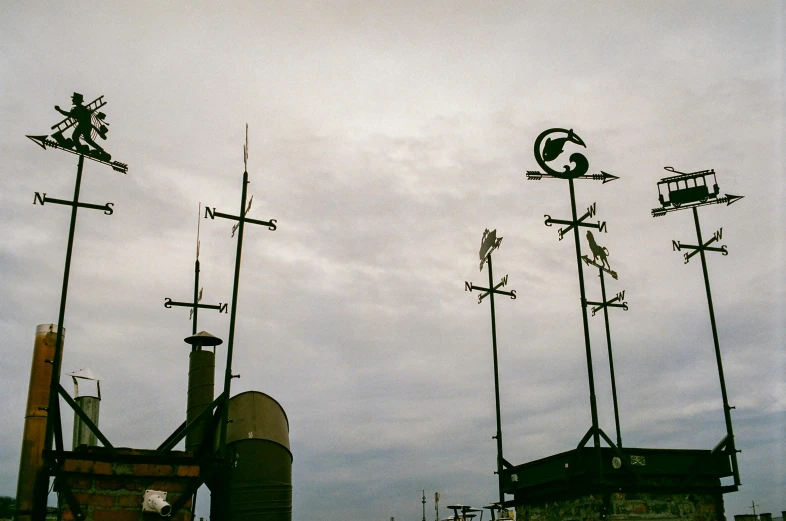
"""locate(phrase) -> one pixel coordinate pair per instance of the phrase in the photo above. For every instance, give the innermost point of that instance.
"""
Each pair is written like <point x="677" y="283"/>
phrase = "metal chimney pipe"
<point x="90" y="406"/>
<point x="33" y="482"/>
<point x="201" y="382"/>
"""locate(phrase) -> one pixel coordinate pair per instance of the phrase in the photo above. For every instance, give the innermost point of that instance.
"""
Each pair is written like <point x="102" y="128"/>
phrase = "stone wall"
<point x="627" y="506"/>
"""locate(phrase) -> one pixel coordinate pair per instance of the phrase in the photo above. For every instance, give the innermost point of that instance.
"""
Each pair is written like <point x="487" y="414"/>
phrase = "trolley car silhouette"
<point x="685" y="188"/>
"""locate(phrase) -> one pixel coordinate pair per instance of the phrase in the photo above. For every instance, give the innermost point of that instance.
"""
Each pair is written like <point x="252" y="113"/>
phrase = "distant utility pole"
<point x="424" y="504"/>
<point x="753" y="507"/>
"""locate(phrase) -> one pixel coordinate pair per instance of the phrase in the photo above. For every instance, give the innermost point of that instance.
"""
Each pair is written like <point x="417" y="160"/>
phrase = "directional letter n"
<point x="40" y="198"/>
<point x="467" y="286"/>
<point x="210" y="213"/>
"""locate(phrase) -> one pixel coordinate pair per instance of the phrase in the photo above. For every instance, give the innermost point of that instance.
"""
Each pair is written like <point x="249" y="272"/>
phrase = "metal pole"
<point x="726" y="409"/>
<point x="233" y="315"/>
<point x="53" y="410"/>
<point x="593" y="405"/>
<point x="196" y="296"/>
<point x="611" y="358"/>
<point x="496" y="383"/>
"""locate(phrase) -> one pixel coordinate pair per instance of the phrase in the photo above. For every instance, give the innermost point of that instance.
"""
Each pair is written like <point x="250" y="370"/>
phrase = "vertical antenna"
<point x="199" y="217"/>
<point x="245" y="151"/>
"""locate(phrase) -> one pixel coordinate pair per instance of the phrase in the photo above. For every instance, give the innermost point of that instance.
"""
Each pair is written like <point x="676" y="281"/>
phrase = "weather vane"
<point x="549" y="146"/>
<point x="552" y="148"/>
<point x="602" y="253"/>
<point x="488" y="243"/>
<point x="87" y="123"/>
<point x="691" y="190"/>
<point x="195" y="304"/>
<point x="239" y="228"/>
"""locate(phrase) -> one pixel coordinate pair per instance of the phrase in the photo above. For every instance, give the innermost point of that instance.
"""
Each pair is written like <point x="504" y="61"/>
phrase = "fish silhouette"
<point x="553" y="147"/>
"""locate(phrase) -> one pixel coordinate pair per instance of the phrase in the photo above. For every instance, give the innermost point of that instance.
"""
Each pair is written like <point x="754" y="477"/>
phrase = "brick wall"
<point x="627" y="506"/>
<point x="113" y="491"/>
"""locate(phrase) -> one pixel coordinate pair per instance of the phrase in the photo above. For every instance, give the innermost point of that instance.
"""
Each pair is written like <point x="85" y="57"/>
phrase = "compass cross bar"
<point x="469" y="286"/>
<point x="677" y="246"/>
<point x="600" y="226"/>
<point x="39" y="198"/>
<point x="241" y="220"/>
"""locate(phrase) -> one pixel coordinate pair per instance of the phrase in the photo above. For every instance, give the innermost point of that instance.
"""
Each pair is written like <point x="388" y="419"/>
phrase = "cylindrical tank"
<point x="201" y="379"/>
<point x="258" y="485"/>
<point x="32" y="482"/>
<point x="90" y="403"/>
<point x="82" y="435"/>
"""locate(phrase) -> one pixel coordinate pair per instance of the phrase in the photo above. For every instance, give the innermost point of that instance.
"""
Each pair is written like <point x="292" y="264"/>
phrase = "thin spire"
<point x="245" y="151"/>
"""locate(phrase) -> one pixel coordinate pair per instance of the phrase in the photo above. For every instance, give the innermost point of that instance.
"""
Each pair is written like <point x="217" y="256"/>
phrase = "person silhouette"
<point x="84" y="126"/>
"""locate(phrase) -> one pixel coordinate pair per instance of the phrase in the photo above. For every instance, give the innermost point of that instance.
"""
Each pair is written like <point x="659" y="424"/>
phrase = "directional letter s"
<point x="109" y="210"/>
<point x="272" y="226"/>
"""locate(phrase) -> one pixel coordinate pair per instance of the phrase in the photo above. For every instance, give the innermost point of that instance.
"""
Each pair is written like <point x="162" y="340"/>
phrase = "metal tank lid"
<point x="256" y="415"/>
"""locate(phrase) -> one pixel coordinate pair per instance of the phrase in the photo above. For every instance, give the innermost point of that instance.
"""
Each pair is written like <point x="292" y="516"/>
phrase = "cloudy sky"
<point x="384" y="138"/>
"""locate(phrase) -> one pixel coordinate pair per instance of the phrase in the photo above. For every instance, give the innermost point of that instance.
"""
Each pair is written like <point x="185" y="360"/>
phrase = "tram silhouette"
<point x="686" y="188"/>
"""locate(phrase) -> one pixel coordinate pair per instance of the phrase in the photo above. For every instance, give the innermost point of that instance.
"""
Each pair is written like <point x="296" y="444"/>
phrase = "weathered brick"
<point x="134" y="500"/>
<point x="171" y="498"/>
<point x="123" y="469"/>
<point x="149" y="469"/>
<point x="168" y="486"/>
<point x="78" y="465"/>
<point x="189" y="471"/>
<point x="117" y="515"/>
<point x="118" y="484"/>
<point x="102" y="467"/>
<point x="79" y="483"/>
<point x="95" y="500"/>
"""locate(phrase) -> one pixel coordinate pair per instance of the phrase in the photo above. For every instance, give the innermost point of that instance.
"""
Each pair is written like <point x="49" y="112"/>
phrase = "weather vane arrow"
<point x="488" y="243"/>
<point x="692" y="190"/>
<point x="536" y="175"/>
<point x="88" y="123"/>
<point x="548" y="147"/>
<point x="242" y="219"/>
<point x="195" y="303"/>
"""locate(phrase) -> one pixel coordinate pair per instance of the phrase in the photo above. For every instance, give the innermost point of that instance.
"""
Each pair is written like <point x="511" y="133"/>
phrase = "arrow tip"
<point x="732" y="198"/>
<point x="38" y="140"/>
<point x="607" y="178"/>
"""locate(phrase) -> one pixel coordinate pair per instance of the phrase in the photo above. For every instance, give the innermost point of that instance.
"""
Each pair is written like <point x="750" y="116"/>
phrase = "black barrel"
<point x="259" y="481"/>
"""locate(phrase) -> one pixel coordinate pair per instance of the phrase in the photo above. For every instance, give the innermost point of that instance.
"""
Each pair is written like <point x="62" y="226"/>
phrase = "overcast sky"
<point x="384" y="138"/>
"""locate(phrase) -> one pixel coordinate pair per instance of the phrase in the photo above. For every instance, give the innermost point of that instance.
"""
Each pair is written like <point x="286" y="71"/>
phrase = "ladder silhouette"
<point x="70" y="122"/>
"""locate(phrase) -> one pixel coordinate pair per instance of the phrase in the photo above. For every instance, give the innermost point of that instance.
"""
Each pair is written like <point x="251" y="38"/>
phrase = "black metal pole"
<point x="726" y="409"/>
<point x="53" y="427"/>
<point x="611" y="358"/>
<point x="593" y="404"/>
<point x="496" y="383"/>
<point x="196" y="296"/>
<point x="233" y="315"/>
